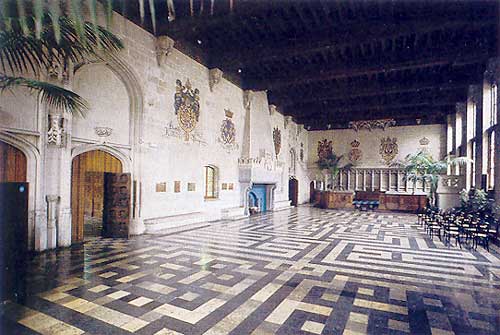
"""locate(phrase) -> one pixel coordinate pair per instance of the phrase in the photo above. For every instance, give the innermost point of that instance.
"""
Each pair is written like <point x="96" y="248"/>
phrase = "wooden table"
<point x="337" y="199"/>
<point x="402" y="202"/>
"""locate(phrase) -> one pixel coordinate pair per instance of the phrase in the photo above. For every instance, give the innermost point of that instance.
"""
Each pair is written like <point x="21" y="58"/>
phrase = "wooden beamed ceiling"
<point x="328" y="62"/>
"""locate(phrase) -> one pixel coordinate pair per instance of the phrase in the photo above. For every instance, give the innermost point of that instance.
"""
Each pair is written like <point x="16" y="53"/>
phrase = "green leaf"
<point x="53" y="95"/>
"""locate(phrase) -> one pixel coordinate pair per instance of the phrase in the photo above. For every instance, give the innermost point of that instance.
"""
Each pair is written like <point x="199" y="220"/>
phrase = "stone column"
<point x="58" y="163"/>
<point x="461" y="146"/>
<point x="476" y="92"/>
<point x="493" y="75"/>
<point x="52" y="202"/>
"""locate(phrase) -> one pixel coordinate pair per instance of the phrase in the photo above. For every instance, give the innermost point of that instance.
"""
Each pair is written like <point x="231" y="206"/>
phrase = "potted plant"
<point x="332" y="164"/>
<point x="423" y="167"/>
<point x="476" y="201"/>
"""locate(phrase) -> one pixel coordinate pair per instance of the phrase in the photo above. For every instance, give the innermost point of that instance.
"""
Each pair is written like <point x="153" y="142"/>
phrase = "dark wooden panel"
<point x="13" y="235"/>
<point x="87" y="187"/>
<point x="13" y="164"/>
<point x="117" y="194"/>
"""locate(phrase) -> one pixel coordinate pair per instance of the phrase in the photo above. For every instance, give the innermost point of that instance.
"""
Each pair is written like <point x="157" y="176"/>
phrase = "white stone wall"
<point x="134" y="96"/>
<point x="407" y="137"/>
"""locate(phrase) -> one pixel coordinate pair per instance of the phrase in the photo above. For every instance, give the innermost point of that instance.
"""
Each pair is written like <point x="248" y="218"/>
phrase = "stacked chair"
<point x="461" y="227"/>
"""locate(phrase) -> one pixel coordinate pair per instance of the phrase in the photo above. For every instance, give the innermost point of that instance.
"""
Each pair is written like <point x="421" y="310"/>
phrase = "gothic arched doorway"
<point x="293" y="191"/>
<point x="88" y="174"/>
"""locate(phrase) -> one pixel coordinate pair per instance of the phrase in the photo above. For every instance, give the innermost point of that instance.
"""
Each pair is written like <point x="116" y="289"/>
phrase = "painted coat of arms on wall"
<point x="228" y="132"/>
<point x="324" y="148"/>
<point x="187" y="107"/>
<point x="277" y="141"/>
<point x="355" y="154"/>
<point x="388" y="149"/>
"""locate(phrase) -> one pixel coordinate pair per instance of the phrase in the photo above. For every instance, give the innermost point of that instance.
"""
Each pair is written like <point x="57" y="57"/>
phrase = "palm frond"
<point x="53" y="95"/>
<point x="22" y="53"/>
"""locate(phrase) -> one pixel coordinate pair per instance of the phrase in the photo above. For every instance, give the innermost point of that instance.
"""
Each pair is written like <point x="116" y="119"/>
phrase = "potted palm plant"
<point x="331" y="163"/>
<point x="423" y="167"/>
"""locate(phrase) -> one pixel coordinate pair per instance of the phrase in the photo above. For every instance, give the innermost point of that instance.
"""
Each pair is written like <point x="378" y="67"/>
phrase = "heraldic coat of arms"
<point x="324" y="148"/>
<point x="187" y="107"/>
<point x="355" y="154"/>
<point x="228" y="132"/>
<point x="388" y="149"/>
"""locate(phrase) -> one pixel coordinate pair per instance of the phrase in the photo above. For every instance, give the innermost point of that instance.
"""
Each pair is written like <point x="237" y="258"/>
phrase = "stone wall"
<point x="132" y="117"/>
<point x="409" y="139"/>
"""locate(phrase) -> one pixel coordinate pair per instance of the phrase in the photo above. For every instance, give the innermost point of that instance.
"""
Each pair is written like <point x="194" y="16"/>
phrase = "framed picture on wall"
<point x="177" y="186"/>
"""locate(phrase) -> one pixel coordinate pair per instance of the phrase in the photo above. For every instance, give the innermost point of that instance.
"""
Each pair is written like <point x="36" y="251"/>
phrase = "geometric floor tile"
<point x="299" y="271"/>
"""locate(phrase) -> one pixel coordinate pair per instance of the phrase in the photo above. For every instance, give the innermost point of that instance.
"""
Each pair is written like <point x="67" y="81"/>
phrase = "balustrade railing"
<point x="378" y="179"/>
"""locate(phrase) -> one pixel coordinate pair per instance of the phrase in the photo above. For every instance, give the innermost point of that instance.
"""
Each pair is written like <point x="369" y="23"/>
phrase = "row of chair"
<point x="464" y="228"/>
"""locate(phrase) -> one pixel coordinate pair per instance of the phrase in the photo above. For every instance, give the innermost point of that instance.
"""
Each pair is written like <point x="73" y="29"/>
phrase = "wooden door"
<point x="293" y="191"/>
<point x="87" y="191"/>
<point x="117" y="191"/>
<point x="13" y="164"/>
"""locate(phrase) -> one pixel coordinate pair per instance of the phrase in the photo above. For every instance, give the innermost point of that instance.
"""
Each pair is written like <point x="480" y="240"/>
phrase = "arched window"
<point x="211" y="182"/>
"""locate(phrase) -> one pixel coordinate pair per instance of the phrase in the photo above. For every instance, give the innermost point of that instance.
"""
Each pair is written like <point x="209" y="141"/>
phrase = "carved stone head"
<point x="164" y="46"/>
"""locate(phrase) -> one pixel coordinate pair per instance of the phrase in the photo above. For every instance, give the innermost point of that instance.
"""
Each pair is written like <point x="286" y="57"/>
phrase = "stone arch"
<point x="135" y="93"/>
<point x="131" y="81"/>
<point x="122" y="157"/>
<point x="37" y="223"/>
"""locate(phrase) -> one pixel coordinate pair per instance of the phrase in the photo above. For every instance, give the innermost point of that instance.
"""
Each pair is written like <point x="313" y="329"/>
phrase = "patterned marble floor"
<point x="300" y="271"/>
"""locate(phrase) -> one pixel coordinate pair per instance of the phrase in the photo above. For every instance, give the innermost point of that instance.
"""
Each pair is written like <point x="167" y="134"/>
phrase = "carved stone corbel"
<point x="272" y="109"/>
<point x="287" y="120"/>
<point x="164" y="46"/>
<point x="247" y="99"/>
<point x="214" y="77"/>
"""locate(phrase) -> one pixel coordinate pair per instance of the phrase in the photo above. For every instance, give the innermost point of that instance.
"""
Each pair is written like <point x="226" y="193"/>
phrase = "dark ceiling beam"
<point x="327" y="111"/>
<point x="397" y="113"/>
<point x="373" y="90"/>
<point x="331" y="39"/>
<point x="310" y="75"/>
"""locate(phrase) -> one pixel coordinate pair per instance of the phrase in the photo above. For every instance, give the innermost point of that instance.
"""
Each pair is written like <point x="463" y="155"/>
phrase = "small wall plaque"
<point x="231" y="186"/>
<point x="161" y="187"/>
<point x="224" y="186"/>
<point x="177" y="186"/>
<point x="191" y="187"/>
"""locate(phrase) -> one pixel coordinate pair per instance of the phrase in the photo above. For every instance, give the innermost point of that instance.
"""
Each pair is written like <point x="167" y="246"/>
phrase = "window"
<point x="493" y="107"/>
<point x="471" y="152"/>
<point x="471" y="121"/>
<point x="491" y="159"/>
<point x="211" y="182"/>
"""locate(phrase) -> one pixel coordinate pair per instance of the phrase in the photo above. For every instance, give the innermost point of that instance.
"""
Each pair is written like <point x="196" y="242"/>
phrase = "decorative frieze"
<point x="164" y="46"/>
<point x="214" y="77"/>
<point x="372" y="124"/>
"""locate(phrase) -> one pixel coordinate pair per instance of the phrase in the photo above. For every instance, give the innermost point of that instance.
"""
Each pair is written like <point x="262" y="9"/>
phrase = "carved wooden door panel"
<point x="116" y="214"/>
